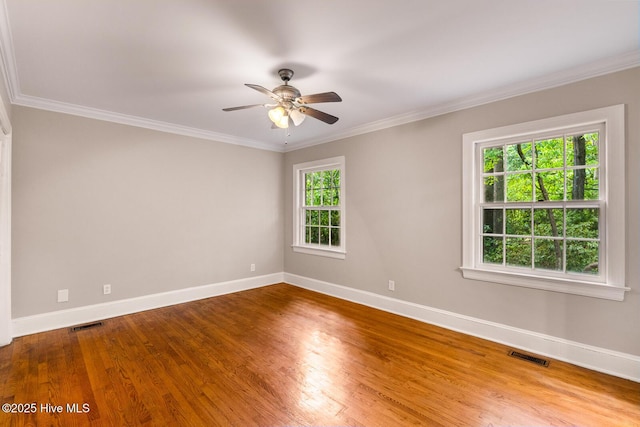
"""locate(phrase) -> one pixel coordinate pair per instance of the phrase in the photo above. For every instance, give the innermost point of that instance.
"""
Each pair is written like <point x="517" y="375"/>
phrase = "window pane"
<point x="548" y="254"/>
<point x="312" y="235"/>
<point x="518" y="221"/>
<point x="327" y="197"/>
<point x="324" y="235"/>
<point x="492" y="250"/>
<point x="336" y="178"/>
<point x="327" y="179"/>
<point x="548" y="222"/>
<point x="582" y="184"/>
<point x="335" y="236"/>
<point x="583" y="223"/>
<point x="316" y="180"/>
<point x="519" y="188"/>
<point x="335" y="218"/>
<point x="582" y="149"/>
<point x="519" y="157"/>
<point x="582" y="257"/>
<point x="324" y="218"/>
<point x="313" y="217"/>
<point x="549" y="153"/>
<point x="492" y="158"/>
<point x="550" y="186"/>
<point x="494" y="189"/>
<point x="318" y="215"/>
<point x="492" y="221"/>
<point x="518" y="251"/>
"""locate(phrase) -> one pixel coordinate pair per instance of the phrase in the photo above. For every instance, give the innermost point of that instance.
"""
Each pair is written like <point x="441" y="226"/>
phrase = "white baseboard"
<point x="75" y="316"/>
<point x="598" y="359"/>
<point x="595" y="358"/>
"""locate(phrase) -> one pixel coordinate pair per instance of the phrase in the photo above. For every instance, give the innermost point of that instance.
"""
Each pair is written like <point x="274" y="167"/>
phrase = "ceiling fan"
<point x="290" y="105"/>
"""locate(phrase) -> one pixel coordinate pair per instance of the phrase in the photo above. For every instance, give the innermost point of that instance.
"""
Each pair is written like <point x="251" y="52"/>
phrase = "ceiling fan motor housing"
<point x="286" y="92"/>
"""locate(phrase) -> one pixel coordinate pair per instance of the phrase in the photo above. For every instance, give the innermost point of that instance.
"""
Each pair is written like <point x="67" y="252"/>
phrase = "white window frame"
<point x="610" y="284"/>
<point x="299" y="245"/>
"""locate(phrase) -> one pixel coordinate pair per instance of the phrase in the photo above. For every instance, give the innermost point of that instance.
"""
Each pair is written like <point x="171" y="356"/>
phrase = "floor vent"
<point x="529" y="358"/>
<point x="85" y="326"/>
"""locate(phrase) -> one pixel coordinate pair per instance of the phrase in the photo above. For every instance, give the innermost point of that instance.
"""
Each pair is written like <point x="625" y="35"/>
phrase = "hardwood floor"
<point x="281" y="355"/>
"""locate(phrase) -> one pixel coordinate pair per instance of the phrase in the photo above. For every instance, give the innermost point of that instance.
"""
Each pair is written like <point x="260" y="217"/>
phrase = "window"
<point x="319" y="208"/>
<point x="543" y="204"/>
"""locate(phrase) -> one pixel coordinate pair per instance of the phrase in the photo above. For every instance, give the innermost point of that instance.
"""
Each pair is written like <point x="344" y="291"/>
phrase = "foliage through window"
<point x="319" y="207"/>
<point x="543" y="204"/>
<point x="322" y="207"/>
<point x="541" y="207"/>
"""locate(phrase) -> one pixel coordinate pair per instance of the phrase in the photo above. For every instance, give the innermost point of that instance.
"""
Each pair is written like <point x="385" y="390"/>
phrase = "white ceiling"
<point x="174" y="64"/>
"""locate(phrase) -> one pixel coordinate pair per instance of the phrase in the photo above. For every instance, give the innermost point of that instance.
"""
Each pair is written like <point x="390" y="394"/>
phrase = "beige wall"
<point x="97" y="202"/>
<point x="404" y="194"/>
<point x="145" y="211"/>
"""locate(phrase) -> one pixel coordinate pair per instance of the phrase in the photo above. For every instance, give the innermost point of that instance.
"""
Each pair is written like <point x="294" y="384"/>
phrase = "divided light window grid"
<point x="321" y="209"/>
<point x="541" y="205"/>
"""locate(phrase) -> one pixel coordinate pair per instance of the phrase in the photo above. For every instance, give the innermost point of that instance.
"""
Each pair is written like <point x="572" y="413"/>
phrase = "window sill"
<point x="589" y="289"/>
<point x="329" y="253"/>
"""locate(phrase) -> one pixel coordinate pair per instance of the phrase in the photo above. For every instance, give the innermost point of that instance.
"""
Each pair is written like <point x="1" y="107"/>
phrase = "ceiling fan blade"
<point x="319" y="97"/>
<point x="316" y="114"/>
<point x="265" y="91"/>
<point x="243" y="107"/>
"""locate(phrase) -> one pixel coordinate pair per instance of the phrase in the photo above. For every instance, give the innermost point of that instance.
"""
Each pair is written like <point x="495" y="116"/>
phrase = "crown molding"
<point x="110" y="116"/>
<point x="573" y="75"/>
<point x="9" y="68"/>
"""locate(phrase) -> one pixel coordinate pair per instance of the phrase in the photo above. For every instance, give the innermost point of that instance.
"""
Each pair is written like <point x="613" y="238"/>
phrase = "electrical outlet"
<point x="106" y="289"/>
<point x="63" y="295"/>
<point x="253" y="267"/>
<point x="392" y="285"/>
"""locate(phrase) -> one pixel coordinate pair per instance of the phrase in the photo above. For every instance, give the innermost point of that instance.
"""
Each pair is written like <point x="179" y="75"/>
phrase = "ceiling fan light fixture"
<point x="283" y="123"/>
<point x="291" y="106"/>
<point x="276" y="114"/>
<point x="296" y="117"/>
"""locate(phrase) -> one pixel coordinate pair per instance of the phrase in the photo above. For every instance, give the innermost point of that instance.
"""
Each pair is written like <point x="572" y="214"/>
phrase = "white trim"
<point x="319" y="251"/>
<point x="574" y="75"/>
<point x="581" y="72"/>
<point x="74" y="316"/>
<point x="613" y="168"/>
<point x="595" y="290"/>
<point x="5" y="203"/>
<point x="299" y="169"/>
<point x="110" y="116"/>
<point x="5" y="238"/>
<point x="596" y="358"/>
<point x="599" y="359"/>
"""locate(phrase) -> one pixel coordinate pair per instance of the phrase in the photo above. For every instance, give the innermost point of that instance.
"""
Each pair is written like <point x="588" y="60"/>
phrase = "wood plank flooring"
<point x="284" y="356"/>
